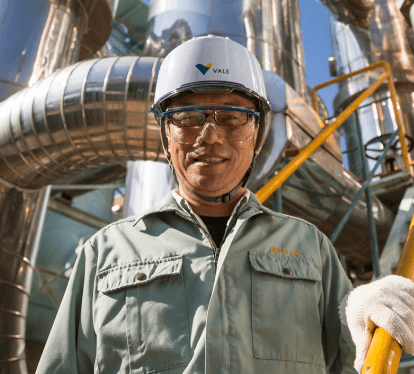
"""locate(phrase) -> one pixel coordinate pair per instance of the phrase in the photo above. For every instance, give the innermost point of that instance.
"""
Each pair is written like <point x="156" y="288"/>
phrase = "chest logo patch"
<point x="280" y="250"/>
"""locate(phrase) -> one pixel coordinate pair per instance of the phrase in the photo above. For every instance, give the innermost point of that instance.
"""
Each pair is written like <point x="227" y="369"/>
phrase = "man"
<point x="210" y="281"/>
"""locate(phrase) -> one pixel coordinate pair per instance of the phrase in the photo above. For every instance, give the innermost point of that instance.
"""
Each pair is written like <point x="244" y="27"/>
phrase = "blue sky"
<point x="317" y="47"/>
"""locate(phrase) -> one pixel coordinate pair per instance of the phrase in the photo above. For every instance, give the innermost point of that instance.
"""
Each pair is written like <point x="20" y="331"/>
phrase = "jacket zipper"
<point x="210" y="239"/>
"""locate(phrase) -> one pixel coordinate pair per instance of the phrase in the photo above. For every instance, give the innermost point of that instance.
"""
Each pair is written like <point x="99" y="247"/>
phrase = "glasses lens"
<point x="236" y="133"/>
<point x="187" y="126"/>
<point x="231" y="118"/>
<point x="187" y="119"/>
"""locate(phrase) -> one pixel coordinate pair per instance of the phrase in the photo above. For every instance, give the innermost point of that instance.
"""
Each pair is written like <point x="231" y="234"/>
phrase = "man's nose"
<point x="209" y="134"/>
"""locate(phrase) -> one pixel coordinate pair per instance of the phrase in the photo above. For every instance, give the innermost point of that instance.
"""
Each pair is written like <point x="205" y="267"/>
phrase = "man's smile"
<point x="209" y="159"/>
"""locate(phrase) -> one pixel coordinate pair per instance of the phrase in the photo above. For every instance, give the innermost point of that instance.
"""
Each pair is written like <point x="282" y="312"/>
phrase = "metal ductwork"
<point x="87" y="115"/>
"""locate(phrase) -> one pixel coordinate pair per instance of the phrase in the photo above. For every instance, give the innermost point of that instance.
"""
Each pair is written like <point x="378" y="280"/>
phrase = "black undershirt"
<point x="216" y="227"/>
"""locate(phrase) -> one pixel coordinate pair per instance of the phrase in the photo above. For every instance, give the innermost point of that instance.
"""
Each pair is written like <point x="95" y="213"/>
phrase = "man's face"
<point x="212" y="166"/>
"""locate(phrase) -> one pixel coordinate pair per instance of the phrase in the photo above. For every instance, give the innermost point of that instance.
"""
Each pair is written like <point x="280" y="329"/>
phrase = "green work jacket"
<point x="153" y="294"/>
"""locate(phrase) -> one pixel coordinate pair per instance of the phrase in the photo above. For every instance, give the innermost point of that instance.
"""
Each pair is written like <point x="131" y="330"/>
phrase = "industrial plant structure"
<point x="77" y="79"/>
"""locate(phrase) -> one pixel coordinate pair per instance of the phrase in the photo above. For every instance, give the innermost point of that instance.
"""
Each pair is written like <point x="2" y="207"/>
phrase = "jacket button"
<point x="287" y="271"/>
<point x="140" y="276"/>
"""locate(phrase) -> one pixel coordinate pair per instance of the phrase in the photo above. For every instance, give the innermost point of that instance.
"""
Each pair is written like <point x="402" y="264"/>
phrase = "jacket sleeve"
<point x="338" y="346"/>
<point x="71" y="345"/>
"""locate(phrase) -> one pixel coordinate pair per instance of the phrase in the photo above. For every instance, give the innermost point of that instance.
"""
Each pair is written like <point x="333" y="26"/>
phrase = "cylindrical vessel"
<point x="270" y="29"/>
<point x="22" y="219"/>
<point x="355" y="48"/>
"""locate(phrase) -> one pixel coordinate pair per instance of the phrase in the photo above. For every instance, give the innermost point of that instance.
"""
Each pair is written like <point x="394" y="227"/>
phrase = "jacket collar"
<point x="174" y="202"/>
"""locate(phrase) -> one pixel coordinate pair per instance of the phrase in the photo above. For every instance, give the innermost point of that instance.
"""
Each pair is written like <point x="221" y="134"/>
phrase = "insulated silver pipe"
<point x="87" y="115"/>
<point x="22" y="219"/>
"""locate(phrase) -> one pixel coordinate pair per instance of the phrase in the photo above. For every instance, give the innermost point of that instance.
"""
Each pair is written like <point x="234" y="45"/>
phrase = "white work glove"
<point x="386" y="303"/>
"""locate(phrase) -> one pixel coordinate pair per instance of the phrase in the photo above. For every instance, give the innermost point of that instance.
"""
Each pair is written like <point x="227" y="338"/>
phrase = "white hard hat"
<point x="211" y="64"/>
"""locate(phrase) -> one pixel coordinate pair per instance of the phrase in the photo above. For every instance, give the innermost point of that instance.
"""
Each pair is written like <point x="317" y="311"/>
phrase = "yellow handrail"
<point x="276" y="182"/>
<point x="384" y="353"/>
<point x="395" y="105"/>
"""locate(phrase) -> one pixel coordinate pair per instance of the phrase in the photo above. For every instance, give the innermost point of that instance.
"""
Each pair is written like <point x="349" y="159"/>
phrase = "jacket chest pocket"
<point x="143" y="318"/>
<point x="286" y="324"/>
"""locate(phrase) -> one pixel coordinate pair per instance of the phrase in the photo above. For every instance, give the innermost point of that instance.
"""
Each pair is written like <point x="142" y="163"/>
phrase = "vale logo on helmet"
<point x="205" y="68"/>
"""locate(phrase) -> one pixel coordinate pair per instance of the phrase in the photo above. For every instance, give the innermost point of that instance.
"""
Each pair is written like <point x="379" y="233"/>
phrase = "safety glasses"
<point x="186" y="124"/>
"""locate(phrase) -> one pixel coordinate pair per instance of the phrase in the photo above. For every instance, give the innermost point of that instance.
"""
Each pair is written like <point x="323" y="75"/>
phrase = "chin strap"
<point x="223" y="198"/>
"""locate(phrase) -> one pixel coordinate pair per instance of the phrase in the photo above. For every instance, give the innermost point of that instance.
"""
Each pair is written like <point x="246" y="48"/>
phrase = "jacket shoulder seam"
<point x="285" y="216"/>
<point x="103" y="229"/>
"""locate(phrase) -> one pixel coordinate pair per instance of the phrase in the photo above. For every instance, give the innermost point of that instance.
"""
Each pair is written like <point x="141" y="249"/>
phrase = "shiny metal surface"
<point x="40" y="36"/>
<point x="355" y="12"/>
<point x="92" y="113"/>
<point x="140" y="193"/>
<point x="59" y="45"/>
<point x="303" y="114"/>
<point x="270" y="29"/>
<point x="22" y="219"/>
<point x="100" y="19"/>
<point x="386" y="39"/>
<point x="354" y="48"/>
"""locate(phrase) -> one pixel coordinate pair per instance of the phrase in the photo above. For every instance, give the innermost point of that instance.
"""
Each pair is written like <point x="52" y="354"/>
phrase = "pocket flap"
<point x="138" y="273"/>
<point x="285" y="267"/>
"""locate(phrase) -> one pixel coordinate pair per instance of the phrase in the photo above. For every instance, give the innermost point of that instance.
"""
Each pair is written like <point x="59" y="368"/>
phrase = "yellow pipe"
<point x="264" y="193"/>
<point x="383" y="356"/>
<point x="384" y="353"/>
<point x="405" y="267"/>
